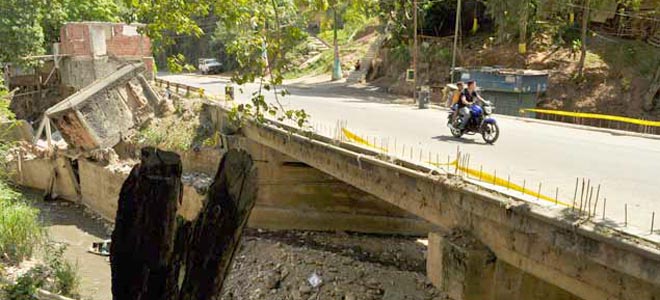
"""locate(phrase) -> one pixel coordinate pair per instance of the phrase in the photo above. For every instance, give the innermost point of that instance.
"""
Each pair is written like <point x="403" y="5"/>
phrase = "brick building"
<point x="93" y="50"/>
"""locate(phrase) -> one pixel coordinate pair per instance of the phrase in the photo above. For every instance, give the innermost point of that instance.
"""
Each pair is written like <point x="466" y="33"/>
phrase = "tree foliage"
<point x="29" y="27"/>
<point x="21" y="33"/>
<point x="58" y="12"/>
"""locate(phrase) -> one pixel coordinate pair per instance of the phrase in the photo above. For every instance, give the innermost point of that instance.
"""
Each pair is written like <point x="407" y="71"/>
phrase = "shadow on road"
<point x="449" y="138"/>
<point x="361" y="93"/>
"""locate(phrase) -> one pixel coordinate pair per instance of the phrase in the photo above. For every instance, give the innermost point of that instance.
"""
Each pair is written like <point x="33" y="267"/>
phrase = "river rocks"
<point x="282" y="265"/>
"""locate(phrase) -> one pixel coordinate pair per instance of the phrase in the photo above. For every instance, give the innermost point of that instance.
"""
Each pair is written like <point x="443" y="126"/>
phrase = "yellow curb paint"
<point x="594" y="116"/>
<point x="355" y="138"/>
<point x="489" y="178"/>
<point x="485" y="177"/>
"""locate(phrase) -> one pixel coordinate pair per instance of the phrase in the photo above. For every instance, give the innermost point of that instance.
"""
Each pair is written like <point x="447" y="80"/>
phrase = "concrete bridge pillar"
<point x="460" y="266"/>
<point x="465" y="269"/>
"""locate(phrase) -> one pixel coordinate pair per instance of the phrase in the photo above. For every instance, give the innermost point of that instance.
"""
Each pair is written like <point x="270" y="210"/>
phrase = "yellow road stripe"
<point x="594" y="116"/>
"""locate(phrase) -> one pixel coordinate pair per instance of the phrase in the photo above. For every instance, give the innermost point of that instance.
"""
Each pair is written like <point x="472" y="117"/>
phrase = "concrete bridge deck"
<point x="583" y="259"/>
<point x="533" y="152"/>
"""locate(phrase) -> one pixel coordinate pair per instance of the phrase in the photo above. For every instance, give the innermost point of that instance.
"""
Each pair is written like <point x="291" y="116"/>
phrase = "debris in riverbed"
<point x="315" y="280"/>
<point x="100" y="248"/>
<point x="199" y="181"/>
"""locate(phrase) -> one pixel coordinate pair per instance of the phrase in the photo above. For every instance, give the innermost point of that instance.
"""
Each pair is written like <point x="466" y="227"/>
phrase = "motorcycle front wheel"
<point x="490" y="132"/>
<point x="456" y="132"/>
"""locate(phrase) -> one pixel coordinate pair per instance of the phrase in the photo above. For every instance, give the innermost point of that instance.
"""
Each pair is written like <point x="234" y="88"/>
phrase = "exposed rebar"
<point x="577" y="182"/>
<point x="652" y="221"/>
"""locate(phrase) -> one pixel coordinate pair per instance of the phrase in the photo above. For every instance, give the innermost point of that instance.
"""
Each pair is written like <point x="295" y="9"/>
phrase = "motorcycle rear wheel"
<point x="490" y="132"/>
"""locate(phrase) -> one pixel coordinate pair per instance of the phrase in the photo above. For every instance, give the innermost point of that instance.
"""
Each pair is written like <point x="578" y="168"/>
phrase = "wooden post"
<point x="150" y="246"/>
<point x="48" y="132"/>
<point x="142" y="245"/>
<point x="216" y="236"/>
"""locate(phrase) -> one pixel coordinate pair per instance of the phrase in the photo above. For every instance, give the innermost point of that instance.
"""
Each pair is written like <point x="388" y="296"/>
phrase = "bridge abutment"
<point x="464" y="268"/>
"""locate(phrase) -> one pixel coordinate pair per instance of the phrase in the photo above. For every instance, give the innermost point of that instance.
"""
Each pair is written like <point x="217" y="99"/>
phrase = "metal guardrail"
<point x="597" y="120"/>
<point x="179" y="87"/>
<point x="188" y="89"/>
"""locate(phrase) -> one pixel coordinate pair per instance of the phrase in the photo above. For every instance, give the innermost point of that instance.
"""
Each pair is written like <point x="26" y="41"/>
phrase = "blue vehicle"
<point x="480" y="122"/>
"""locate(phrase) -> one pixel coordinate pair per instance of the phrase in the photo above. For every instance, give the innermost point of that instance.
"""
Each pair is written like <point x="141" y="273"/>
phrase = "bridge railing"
<point x="180" y="87"/>
<point x="596" y="120"/>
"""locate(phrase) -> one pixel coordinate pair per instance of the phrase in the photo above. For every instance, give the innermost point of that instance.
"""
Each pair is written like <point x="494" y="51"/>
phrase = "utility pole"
<point x="415" y="50"/>
<point x="336" y="68"/>
<point x="456" y="30"/>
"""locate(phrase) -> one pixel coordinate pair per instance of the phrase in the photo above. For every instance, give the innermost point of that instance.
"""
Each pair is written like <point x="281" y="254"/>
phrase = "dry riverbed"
<point x="271" y="264"/>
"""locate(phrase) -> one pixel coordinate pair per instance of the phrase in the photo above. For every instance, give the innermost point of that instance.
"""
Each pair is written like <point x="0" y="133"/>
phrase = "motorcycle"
<point x="481" y="122"/>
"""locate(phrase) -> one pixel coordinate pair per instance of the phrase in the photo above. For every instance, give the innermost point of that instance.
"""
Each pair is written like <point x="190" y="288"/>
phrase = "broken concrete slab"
<point x="100" y="114"/>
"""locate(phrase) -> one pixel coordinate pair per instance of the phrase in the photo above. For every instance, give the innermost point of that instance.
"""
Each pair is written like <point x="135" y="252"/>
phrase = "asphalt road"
<point x="627" y="168"/>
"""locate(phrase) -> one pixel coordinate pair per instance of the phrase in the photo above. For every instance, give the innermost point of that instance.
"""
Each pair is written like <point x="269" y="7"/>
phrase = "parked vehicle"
<point x="209" y="66"/>
<point x="480" y="122"/>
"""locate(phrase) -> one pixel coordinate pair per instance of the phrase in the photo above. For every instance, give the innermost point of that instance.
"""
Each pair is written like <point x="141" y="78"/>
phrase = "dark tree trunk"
<point x="653" y="90"/>
<point x="583" y="38"/>
<point x="142" y="242"/>
<point x="150" y="245"/>
<point x="217" y="230"/>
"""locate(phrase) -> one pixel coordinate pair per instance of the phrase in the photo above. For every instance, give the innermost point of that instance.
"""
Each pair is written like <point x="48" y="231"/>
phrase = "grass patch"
<point x="321" y="66"/>
<point x="180" y="131"/>
<point x="20" y="230"/>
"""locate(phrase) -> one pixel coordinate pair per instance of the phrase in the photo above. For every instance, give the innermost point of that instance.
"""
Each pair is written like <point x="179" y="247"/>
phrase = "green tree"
<point x="58" y="12"/>
<point x="263" y="31"/>
<point x="20" y="32"/>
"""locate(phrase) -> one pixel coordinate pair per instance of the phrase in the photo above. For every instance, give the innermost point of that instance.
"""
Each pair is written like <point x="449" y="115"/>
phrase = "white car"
<point x="209" y="66"/>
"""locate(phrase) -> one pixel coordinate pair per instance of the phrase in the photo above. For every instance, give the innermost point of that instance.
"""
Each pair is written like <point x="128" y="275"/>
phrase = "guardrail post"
<point x="187" y="91"/>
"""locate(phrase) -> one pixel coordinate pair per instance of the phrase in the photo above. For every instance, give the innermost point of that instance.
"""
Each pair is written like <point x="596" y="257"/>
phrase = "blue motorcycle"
<point x="480" y="122"/>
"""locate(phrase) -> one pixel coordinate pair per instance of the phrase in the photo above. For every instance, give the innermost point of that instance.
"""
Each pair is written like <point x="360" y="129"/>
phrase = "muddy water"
<point x="69" y="224"/>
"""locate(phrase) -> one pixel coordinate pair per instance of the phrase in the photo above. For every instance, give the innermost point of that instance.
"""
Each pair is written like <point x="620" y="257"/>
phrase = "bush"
<point x="64" y="275"/>
<point x="56" y="275"/>
<point x="20" y="230"/>
<point x="26" y="286"/>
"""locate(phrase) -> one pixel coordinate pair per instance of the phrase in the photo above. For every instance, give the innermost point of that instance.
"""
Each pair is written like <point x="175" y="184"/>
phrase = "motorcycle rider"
<point x="468" y="98"/>
<point x="455" y="99"/>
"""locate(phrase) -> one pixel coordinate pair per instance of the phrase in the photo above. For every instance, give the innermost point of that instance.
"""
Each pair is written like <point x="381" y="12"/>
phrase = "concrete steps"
<point x="358" y="76"/>
<point x="315" y="47"/>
